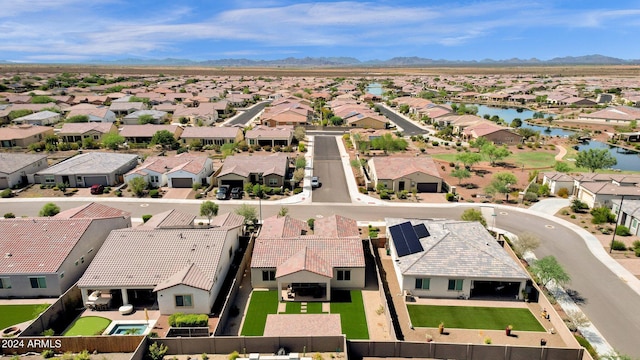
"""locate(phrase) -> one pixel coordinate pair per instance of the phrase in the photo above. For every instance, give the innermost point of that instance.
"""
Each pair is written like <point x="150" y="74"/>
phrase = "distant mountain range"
<point x="353" y="62"/>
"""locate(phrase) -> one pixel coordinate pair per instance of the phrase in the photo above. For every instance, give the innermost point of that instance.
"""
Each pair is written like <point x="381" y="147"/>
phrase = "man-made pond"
<point x="375" y="89"/>
<point x="626" y="161"/>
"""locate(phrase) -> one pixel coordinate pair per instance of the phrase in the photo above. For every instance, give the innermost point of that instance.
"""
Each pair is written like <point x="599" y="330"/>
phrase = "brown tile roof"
<point x="336" y="226"/>
<point x="169" y="219"/>
<point x="38" y="245"/>
<point x="190" y="275"/>
<point x="147" y="258"/>
<point x="244" y="165"/>
<point x="283" y="226"/>
<point x="92" y="211"/>
<point x="210" y="132"/>
<point x="305" y="260"/>
<point x="394" y="167"/>
<point x="337" y="252"/>
<point x="81" y="128"/>
<point x="166" y="164"/>
<point x="23" y="131"/>
<point x="263" y="132"/>
<point x="228" y="220"/>
<point x="147" y="130"/>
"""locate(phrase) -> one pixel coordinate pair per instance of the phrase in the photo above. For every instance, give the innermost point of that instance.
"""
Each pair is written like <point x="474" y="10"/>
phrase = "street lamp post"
<point x="616" y="227"/>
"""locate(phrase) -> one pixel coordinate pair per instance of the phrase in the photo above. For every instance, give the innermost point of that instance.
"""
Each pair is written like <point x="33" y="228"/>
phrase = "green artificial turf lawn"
<point x="88" y="326"/>
<point x="467" y="317"/>
<point x="294" y="307"/>
<point x="351" y="310"/>
<point x="262" y="303"/>
<point x="16" y="314"/>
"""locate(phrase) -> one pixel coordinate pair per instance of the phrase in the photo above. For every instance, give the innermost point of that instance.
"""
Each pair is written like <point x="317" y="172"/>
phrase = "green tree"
<point x="336" y="120"/>
<point x="461" y="173"/>
<point x="78" y="119"/>
<point x="516" y="123"/>
<point x="602" y="215"/>
<point x="548" y="269"/>
<point x="89" y="143"/>
<point x="112" y="140"/>
<point x="248" y="212"/>
<point x="208" y="209"/>
<point x="49" y="209"/>
<point x="298" y="175"/>
<point x="495" y="153"/>
<point x="594" y="159"/>
<point x="403" y="109"/>
<point x="528" y="133"/>
<point x="389" y="143"/>
<point x="299" y="133"/>
<point x="474" y="215"/>
<point x="137" y="185"/>
<point x="166" y="139"/>
<point x="301" y="162"/>
<point x="157" y="351"/>
<point x="502" y="183"/>
<point x="561" y="166"/>
<point x="468" y="159"/>
<point x="145" y="119"/>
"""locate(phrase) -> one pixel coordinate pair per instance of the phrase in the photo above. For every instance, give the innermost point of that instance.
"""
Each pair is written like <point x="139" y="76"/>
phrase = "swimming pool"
<point x="129" y="327"/>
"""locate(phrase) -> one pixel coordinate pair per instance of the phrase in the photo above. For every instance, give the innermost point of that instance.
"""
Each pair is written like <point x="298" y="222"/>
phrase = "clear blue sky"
<point x="82" y="30"/>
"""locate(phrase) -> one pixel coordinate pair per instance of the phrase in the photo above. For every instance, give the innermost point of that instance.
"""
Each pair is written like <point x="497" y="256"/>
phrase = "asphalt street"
<point x="408" y="128"/>
<point x="608" y="302"/>
<point x="328" y="167"/>
<point x="246" y="116"/>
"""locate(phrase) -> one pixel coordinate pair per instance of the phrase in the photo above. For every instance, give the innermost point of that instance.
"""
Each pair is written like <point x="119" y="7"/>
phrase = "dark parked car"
<point x="97" y="189"/>
<point x="236" y="193"/>
<point x="223" y="192"/>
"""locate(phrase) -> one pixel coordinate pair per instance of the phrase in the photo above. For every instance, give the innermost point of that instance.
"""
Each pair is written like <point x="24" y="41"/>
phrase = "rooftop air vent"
<point x="8" y="255"/>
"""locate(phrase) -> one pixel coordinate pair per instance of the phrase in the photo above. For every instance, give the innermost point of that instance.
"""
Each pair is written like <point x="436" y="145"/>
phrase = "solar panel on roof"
<point x="405" y="239"/>
<point x="398" y="240"/>
<point x="421" y="231"/>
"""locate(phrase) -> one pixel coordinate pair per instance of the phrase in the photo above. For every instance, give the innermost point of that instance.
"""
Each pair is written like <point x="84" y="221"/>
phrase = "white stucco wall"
<point x="202" y="300"/>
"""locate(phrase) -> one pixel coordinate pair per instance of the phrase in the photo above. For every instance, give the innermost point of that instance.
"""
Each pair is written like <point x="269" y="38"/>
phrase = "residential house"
<point x="144" y="133"/>
<point x="452" y="259"/>
<point x="287" y="114"/>
<point x="87" y="169"/>
<point x="271" y="170"/>
<point x="399" y="173"/>
<point x="630" y="216"/>
<point x="95" y="113"/>
<point x="496" y="134"/>
<point x="182" y="268"/>
<point x="617" y="115"/>
<point x="304" y="266"/>
<point x="133" y="118"/>
<point x="180" y="171"/>
<point x="204" y="114"/>
<point x="121" y="108"/>
<point x="76" y="132"/>
<point x="44" y="257"/>
<point x="557" y="180"/>
<point x="596" y="194"/>
<point x="15" y="169"/>
<point x="271" y="136"/>
<point x="40" y="118"/>
<point x="212" y="135"/>
<point x="23" y="135"/>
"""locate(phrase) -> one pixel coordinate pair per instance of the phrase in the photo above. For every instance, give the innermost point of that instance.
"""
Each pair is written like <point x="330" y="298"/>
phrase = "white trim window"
<point x="455" y="284"/>
<point x="344" y="275"/>
<point x="38" y="282"/>
<point x="423" y="283"/>
<point x="5" y="283"/>
<point x="184" y="301"/>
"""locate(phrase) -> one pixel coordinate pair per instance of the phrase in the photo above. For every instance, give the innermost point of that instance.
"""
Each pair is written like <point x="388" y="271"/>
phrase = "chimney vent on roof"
<point x="8" y="255"/>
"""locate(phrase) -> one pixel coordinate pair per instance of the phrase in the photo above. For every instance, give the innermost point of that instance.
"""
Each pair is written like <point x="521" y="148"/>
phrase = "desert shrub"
<point x="585" y="344"/>
<point x="188" y="320"/>
<point x="154" y="193"/>
<point x="384" y="194"/>
<point x="578" y="206"/>
<point x="435" y="143"/>
<point x="198" y="196"/>
<point x="146" y="217"/>
<point x="572" y="216"/>
<point x="234" y="355"/>
<point x="362" y="190"/>
<point x="623" y="231"/>
<point x="47" y="353"/>
<point x="403" y="194"/>
<point x="277" y="148"/>
<point x="531" y="196"/>
<point x="9" y="215"/>
<point x="563" y="193"/>
<point x="118" y="193"/>
<point x="544" y="190"/>
<point x="602" y="215"/>
<point x="6" y="193"/>
<point x="564" y="212"/>
<point x="618" y="246"/>
<point x="267" y="148"/>
<point x="450" y="196"/>
<point x="297" y="191"/>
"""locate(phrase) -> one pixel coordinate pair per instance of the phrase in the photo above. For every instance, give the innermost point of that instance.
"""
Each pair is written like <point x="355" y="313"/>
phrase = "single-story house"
<point x="95" y="113"/>
<point x="182" y="269"/>
<point x="452" y="259"/>
<point x="405" y="173"/>
<point x="596" y="194"/>
<point x="205" y="113"/>
<point x="494" y="133"/>
<point x="76" y="132"/>
<point x="144" y="133"/>
<point x="212" y="135"/>
<point x="92" y="168"/>
<point x="15" y="168"/>
<point x="180" y="171"/>
<point x="40" y="118"/>
<point x="126" y="107"/>
<point x="630" y="216"/>
<point x="23" y="135"/>
<point x="44" y="257"/>
<point x="287" y="114"/>
<point x="134" y="118"/>
<point x="367" y="120"/>
<point x="271" y="170"/>
<point x="305" y="267"/>
<point x="270" y="136"/>
<point x="615" y="115"/>
<point x="557" y="180"/>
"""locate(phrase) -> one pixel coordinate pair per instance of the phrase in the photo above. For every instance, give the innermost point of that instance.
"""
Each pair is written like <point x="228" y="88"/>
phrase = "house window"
<point x="184" y="301"/>
<point x="344" y="275"/>
<point x="5" y="283"/>
<point x="62" y="275"/>
<point x="455" y="284"/>
<point x="38" y="282"/>
<point x="273" y="182"/>
<point x="423" y="284"/>
<point x="634" y="223"/>
<point x="230" y="252"/>
<point x="49" y="179"/>
<point x="154" y="178"/>
<point x="268" y="275"/>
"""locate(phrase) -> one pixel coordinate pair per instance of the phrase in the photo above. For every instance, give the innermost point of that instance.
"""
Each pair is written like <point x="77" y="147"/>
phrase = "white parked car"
<point x="315" y="182"/>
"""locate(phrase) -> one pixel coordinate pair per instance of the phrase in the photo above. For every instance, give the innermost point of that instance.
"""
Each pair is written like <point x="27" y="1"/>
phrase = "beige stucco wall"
<point x="256" y="279"/>
<point x="202" y="300"/>
<point x="412" y="180"/>
<point x="356" y="282"/>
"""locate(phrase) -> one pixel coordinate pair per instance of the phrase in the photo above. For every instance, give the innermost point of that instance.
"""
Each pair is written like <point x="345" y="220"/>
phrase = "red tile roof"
<point x="283" y="226"/>
<point x="336" y="226"/>
<point x="337" y="252"/>
<point x="305" y="260"/>
<point x="92" y="211"/>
